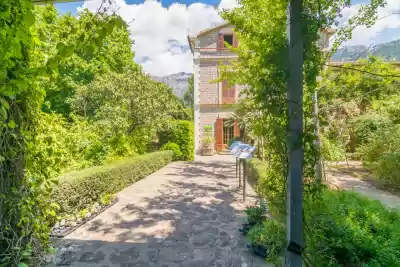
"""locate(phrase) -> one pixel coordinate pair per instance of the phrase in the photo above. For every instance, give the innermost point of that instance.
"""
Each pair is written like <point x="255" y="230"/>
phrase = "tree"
<point x="263" y="66"/>
<point x="188" y="95"/>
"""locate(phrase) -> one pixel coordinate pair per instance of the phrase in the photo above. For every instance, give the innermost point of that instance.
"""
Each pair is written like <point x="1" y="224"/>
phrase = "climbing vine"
<point x="25" y="174"/>
<point x="262" y="65"/>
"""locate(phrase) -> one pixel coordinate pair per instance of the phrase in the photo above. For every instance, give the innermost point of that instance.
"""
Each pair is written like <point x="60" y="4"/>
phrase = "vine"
<point x="262" y="65"/>
<point x="25" y="179"/>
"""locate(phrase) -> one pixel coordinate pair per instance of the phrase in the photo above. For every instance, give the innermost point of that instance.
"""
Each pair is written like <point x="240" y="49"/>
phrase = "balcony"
<point x="214" y="53"/>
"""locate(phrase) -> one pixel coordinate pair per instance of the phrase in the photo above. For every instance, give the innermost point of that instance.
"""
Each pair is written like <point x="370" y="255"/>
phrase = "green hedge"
<point x="79" y="190"/>
<point x="181" y="133"/>
<point x="343" y="228"/>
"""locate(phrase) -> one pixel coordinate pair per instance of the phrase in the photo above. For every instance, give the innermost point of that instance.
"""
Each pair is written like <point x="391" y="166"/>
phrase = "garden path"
<point x="186" y="214"/>
<point x="352" y="176"/>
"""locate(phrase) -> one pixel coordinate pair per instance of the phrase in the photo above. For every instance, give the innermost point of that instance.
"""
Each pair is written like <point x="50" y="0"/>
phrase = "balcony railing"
<point x="216" y="53"/>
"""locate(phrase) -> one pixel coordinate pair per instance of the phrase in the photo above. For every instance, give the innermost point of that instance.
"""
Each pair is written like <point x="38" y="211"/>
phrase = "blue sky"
<point x="160" y="29"/>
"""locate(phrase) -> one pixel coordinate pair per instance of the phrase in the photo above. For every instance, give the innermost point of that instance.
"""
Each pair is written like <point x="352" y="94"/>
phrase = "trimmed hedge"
<point x="181" y="133"/>
<point x="81" y="189"/>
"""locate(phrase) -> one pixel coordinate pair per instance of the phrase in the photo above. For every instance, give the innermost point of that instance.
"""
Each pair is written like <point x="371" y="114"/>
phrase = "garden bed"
<point x="65" y="227"/>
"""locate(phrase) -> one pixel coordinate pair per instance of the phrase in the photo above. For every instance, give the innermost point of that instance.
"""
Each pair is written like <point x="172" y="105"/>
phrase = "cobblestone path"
<point x="186" y="214"/>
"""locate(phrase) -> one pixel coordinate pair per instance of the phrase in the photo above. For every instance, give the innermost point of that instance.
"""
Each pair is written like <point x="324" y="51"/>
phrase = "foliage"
<point x="367" y="125"/>
<point x="350" y="229"/>
<point x="255" y="214"/>
<point x="188" y="97"/>
<point x="381" y="154"/>
<point x="181" y="133"/>
<point x="269" y="235"/>
<point x="346" y="228"/>
<point x="25" y="172"/>
<point x="81" y="189"/>
<point x="174" y="148"/>
<point x="333" y="149"/>
<point x="269" y="184"/>
<point x="59" y="65"/>
<point x="356" y="103"/>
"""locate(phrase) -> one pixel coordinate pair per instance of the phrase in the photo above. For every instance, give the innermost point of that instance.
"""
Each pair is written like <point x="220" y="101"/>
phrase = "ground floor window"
<point x="228" y="132"/>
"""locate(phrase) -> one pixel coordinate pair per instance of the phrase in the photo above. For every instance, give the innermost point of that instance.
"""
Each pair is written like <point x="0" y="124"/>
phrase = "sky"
<point x="160" y="28"/>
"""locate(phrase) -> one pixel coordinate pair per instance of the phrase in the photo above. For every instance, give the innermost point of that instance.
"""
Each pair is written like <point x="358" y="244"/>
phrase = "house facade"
<point x="214" y="101"/>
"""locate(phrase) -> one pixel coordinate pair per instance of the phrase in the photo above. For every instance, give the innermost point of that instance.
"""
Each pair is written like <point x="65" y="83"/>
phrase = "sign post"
<point x="244" y="156"/>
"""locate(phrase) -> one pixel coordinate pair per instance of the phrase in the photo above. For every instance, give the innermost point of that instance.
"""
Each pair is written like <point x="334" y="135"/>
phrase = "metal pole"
<point x="240" y="173"/>
<point x="236" y="168"/>
<point x="296" y="153"/>
<point x="318" y="166"/>
<point x="244" y="179"/>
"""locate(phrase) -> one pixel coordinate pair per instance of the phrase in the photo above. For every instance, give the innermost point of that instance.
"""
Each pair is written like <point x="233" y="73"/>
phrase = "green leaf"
<point x="23" y="265"/>
<point x="11" y="124"/>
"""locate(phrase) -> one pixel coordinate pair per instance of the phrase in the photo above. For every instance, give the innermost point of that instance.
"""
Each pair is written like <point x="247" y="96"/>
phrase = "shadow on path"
<point x="186" y="214"/>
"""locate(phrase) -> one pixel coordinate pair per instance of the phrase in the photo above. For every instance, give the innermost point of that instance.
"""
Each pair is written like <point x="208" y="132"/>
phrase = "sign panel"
<point x="248" y="153"/>
<point x="239" y="149"/>
<point x="234" y="144"/>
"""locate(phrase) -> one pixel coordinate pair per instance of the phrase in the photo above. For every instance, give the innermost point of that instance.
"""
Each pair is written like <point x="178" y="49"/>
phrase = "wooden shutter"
<point x="228" y="93"/>
<point x="220" y="42"/>
<point x="236" y="130"/>
<point x="225" y="89"/>
<point x="219" y="134"/>
<point x="235" y="41"/>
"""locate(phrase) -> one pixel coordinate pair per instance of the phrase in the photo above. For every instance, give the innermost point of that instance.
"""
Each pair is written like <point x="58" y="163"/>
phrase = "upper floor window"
<point x="228" y="38"/>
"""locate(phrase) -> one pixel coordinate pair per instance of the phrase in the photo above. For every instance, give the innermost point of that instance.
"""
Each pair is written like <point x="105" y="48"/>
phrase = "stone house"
<point x="214" y="102"/>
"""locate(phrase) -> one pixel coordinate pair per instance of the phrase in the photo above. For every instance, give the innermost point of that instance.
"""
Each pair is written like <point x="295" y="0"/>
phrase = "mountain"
<point x="389" y="51"/>
<point x="178" y="81"/>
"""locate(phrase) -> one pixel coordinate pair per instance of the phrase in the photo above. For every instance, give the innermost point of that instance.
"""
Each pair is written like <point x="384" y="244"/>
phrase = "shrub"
<point x="255" y="214"/>
<point x="268" y="184"/>
<point x="382" y="155"/>
<point x="351" y="230"/>
<point x="181" y="133"/>
<point x="367" y="125"/>
<point x="79" y="190"/>
<point x="174" y="148"/>
<point x="270" y="235"/>
<point x="343" y="228"/>
<point x="333" y="150"/>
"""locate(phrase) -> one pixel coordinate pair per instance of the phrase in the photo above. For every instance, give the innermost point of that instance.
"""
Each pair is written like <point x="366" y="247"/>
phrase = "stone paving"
<point x="186" y="214"/>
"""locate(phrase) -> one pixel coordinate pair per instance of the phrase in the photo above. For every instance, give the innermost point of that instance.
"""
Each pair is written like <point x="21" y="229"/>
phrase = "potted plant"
<point x="268" y="239"/>
<point x="208" y="142"/>
<point x="255" y="215"/>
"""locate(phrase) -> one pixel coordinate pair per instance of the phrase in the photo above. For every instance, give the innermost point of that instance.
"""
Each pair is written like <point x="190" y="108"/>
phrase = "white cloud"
<point x="160" y="33"/>
<point x="388" y="18"/>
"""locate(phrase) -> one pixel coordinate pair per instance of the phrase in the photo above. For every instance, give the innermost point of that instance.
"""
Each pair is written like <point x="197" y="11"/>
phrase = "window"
<point x="228" y="93"/>
<point x="228" y="39"/>
<point x="228" y="133"/>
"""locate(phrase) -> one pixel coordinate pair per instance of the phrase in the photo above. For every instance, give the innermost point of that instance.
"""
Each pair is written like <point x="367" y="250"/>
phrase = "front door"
<point x="228" y="132"/>
<point x="224" y="133"/>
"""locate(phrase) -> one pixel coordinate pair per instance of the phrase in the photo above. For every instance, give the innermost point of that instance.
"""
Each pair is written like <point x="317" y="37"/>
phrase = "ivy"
<point x="262" y="65"/>
<point x="25" y="174"/>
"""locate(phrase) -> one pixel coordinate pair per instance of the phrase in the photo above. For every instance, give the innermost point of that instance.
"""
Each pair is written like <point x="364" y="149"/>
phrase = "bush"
<point x="174" y="148"/>
<point x="268" y="184"/>
<point x="79" y="190"/>
<point x="181" y="133"/>
<point x="367" y="125"/>
<point x="343" y="228"/>
<point x="270" y="235"/>
<point x="382" y="155"/>
<point x="255" y="214"/>
<point x="351" y="230"/>
<point x="332" y="150"/>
